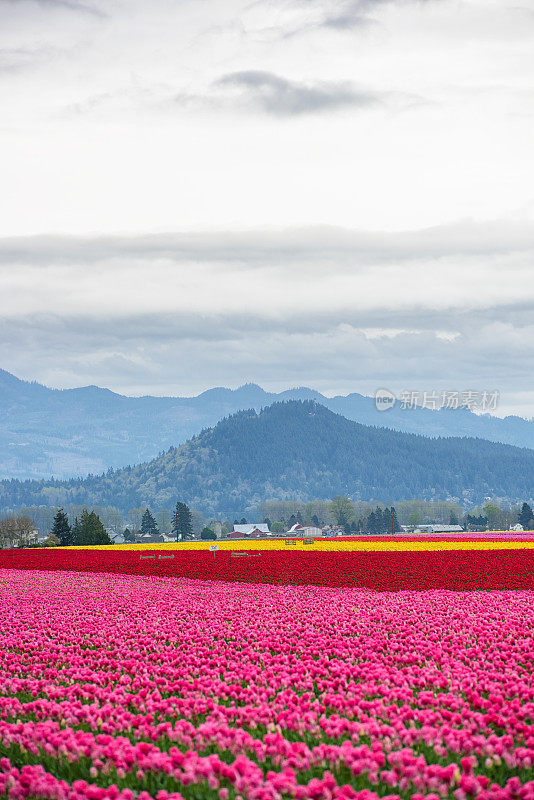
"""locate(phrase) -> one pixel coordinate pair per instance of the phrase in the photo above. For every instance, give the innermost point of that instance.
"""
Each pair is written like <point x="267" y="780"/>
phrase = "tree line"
<point x="86" y="530"/>
<point x="495" y="518"/>
<point x="16" y="531"/>
<point x="355" y="518"/>
<point x="361" y="516"/>
<point x="89" y="530"/>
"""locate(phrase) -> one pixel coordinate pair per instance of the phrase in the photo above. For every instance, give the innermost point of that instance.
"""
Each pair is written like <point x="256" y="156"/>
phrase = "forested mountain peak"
<point x="296" y="450"/>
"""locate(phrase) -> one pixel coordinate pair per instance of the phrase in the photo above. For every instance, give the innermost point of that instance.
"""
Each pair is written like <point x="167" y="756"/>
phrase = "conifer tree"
<point x="62" y="529"/>
<point x="98" y="532"/>
<point x="128" y="535"/>
<point x="525" y="516"/>
<point x="149" y="524"/>
<point x="89" y="530"/>
<point x="181" y="522"/>
<point x="379" y="521"/>
<point x="390" y="517"/>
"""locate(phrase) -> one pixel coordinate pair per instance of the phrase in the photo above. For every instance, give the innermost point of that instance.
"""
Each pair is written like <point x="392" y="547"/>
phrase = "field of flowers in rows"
<point x="135" y="686"/>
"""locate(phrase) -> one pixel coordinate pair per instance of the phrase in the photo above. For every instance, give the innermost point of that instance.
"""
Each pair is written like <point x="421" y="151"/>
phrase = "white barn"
<point x="439" y="529"/>
<point x="250" y="528"/>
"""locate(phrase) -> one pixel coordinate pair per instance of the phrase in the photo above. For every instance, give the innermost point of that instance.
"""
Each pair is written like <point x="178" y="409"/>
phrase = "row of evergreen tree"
<point x="525" y="518"/>
<point x="89" y="530"/>
<point x="381" y="520"/>
<point x="182" y="525"/>
<point x="86" y="530"/>
<point x="384" y="520"/>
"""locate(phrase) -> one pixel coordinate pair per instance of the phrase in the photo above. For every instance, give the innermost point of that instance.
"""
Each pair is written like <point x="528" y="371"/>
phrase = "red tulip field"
<point x="489" y="561"/>
<point x="136" y="686"/>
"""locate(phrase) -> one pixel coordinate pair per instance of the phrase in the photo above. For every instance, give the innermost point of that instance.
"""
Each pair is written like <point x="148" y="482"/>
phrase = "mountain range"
<point x="74" y="432"/>
<point x="296" y="450"/>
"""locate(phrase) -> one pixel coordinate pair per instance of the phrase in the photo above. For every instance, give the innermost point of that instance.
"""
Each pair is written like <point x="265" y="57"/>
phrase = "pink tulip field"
<point x="145" y="687"/>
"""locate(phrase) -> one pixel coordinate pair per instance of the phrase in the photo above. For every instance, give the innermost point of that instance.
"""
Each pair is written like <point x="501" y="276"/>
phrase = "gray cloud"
<point x="311" y="244"/>
<point x="280" y="96"/>
<point x="181" y="355"/>
<point x="73" y="6"/>
<point x="343" y="16"/>
<point x="357" y="13"/>
<point x="15" y="59"/>
<point x="335" y="309"/>
<point x="350" y="15"/>
<point x="69" y="5"/>
<point x="224" y="326"/>
<point x="18" y="59"/>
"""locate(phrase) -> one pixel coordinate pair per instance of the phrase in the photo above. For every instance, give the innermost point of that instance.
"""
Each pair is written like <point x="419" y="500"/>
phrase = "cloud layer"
<point x="445" y="308"/>
<point x="283" y="97"/>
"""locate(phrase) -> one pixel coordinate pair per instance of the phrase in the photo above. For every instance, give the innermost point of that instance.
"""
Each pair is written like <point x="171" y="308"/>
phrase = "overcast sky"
<point x="292" y="192"/>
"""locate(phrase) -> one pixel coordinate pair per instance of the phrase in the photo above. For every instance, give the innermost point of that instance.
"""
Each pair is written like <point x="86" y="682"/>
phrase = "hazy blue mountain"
<point x="296" y="450"/>
<point x="71" y="432"/>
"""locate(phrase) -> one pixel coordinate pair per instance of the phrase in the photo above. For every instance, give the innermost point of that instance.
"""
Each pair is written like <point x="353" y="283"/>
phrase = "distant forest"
<point x="296" y="451"/>
<point x="281" y="515"/>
